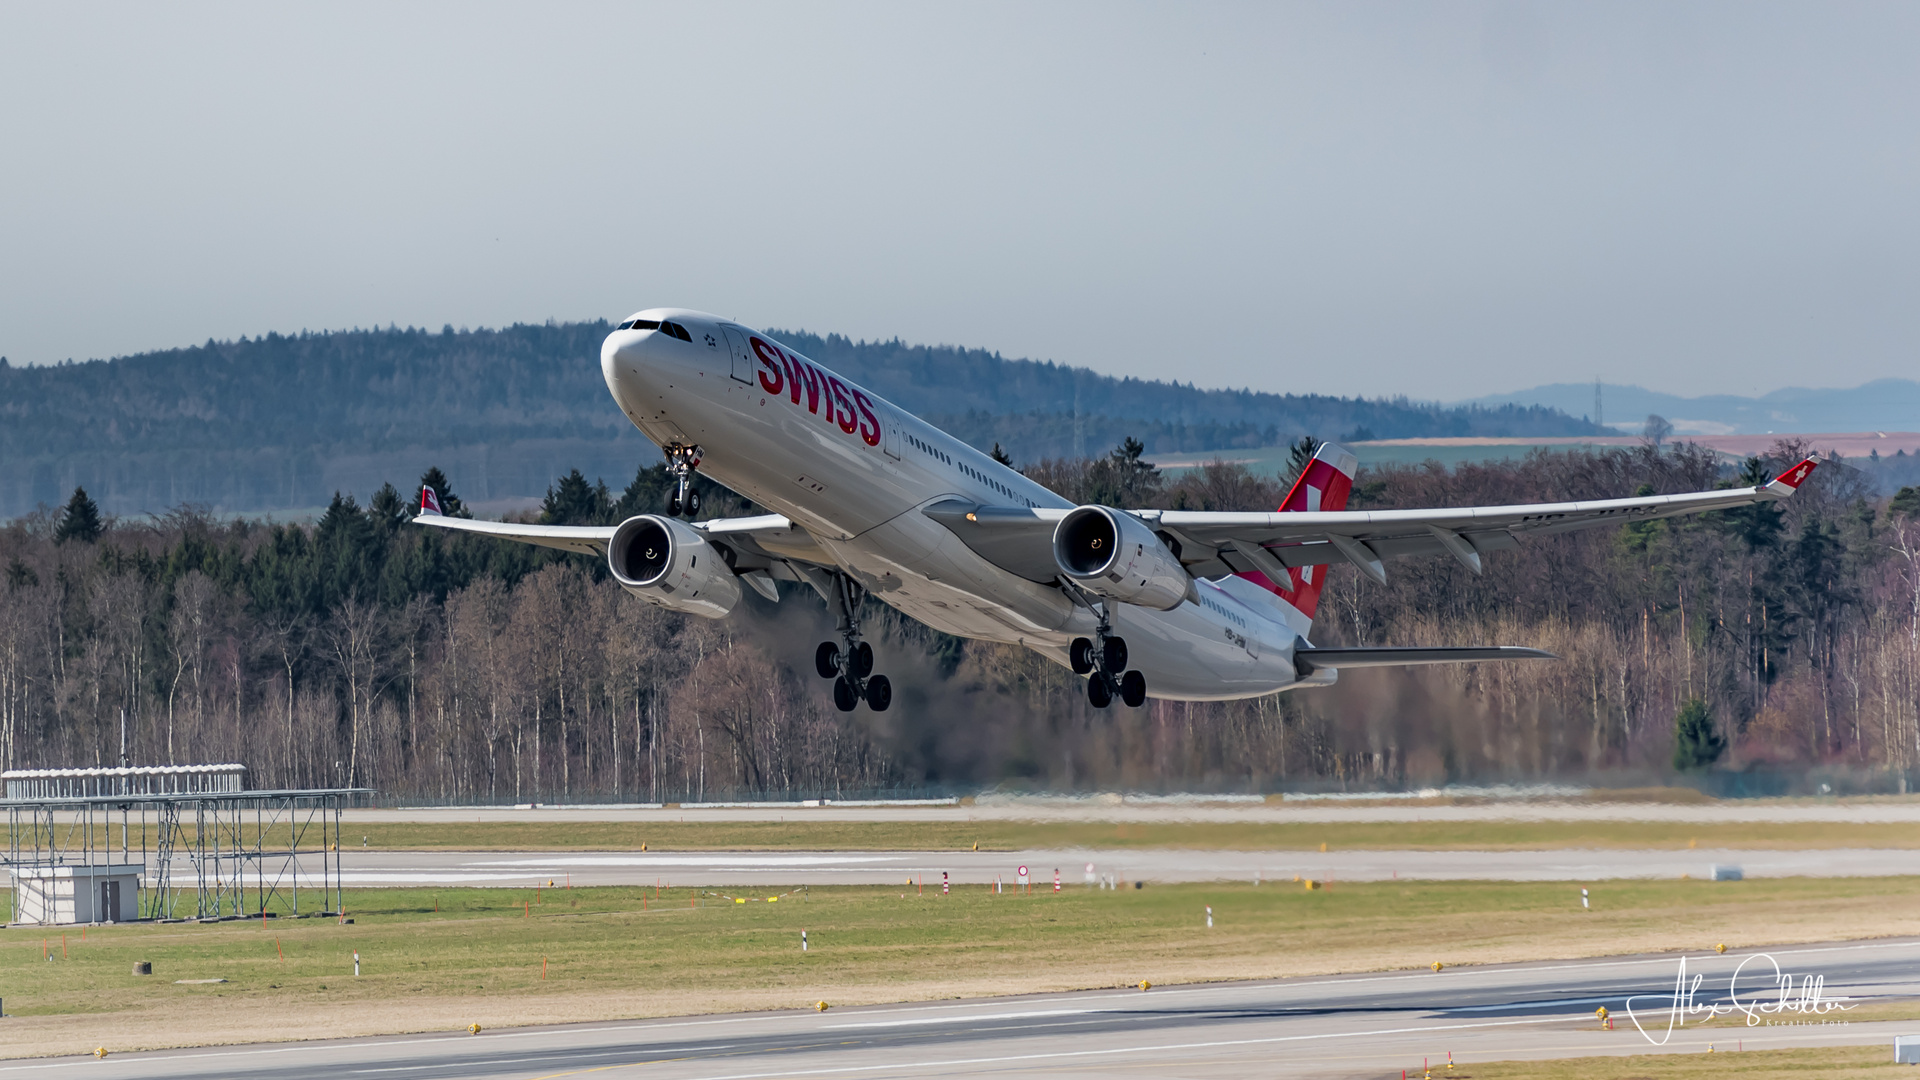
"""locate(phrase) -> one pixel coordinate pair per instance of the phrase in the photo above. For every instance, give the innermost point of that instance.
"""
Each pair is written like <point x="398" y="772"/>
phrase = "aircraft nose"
<point x="624" y="353"/>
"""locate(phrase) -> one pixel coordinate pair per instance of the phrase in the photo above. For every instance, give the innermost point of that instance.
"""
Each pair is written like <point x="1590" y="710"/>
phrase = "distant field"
<point x="442" y="959"/>
<point x="1270" y="460"/>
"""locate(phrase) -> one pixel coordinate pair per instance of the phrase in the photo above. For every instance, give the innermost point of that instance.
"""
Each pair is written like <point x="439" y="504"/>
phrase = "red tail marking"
<point x="1321" y="487"/>
<point x="1795" y="476"/>
<point x="429" y="500"/>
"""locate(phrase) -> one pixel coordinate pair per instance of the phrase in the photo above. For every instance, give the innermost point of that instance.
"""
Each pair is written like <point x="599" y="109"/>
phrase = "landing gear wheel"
<point x="1080" y="656"/>
<point x="860" y="660"/>
<point x="1133" y="689"/>
<point x="1115" y="650"/>
<point x="1099" y="694"/>
<point x="681" y="461"/>
<point x="826" y="660"/>
<point x="880" y="693"/>
<point x="845" y="697"/>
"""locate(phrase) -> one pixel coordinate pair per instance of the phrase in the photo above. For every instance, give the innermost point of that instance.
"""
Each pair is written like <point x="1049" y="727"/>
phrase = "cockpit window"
<point x="639" y="324"/>
<point x="676" y="330"/>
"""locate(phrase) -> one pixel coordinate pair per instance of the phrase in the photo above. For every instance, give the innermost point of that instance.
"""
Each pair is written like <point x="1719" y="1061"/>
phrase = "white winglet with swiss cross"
<point x="1788" y="482"/>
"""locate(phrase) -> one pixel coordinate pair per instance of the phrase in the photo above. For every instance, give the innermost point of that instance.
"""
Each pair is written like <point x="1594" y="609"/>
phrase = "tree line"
<point x="280" y="421"/>
<point x="360" y="651"/>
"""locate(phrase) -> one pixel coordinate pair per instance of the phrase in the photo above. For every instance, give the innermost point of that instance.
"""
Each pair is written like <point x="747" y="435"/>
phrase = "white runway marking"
<point x="743" y="862"/>
<point x="964" y="1019"/>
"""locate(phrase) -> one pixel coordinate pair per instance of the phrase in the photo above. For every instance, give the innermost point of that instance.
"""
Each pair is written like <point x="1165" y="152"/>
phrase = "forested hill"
<point x="283" y="421"/>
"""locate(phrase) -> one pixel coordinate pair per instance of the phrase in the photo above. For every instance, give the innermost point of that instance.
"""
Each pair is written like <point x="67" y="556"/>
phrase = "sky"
<point x="1437" y="200"/>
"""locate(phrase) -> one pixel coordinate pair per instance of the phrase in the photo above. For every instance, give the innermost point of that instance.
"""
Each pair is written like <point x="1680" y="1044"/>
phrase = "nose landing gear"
<point x="682" y="460"/>
<point x="851" y="668"/>
<point x="1104" y="662"/>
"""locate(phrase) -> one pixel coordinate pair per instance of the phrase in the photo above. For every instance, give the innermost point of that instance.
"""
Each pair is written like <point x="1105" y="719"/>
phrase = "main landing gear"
<point x="681" y="461"/>
<point x="1104" y="662"/>
<point x="851" y="668"/>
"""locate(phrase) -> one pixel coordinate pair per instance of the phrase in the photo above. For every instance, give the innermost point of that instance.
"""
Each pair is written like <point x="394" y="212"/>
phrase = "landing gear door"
<point x="742" y="359"/>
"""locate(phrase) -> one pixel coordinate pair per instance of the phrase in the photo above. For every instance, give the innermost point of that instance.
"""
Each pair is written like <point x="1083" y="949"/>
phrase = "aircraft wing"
<point x="760" y="542"/>
<point x="585" y="539"/>
<point x="1020" y="540"/>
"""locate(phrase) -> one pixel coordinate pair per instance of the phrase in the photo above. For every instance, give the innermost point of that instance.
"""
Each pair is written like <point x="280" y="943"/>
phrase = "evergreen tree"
<point x="1000" y="455"/>
<point x="387" y="511"/>
<point x="1758" y="524"/>
<point x="1123" y="478"/>
<point x="1298" y="454"/>
<point x="1906" y="503"/>
<point x="450" y="503"/>
<point x="573" y="501"/>
<point x="1696" y="743"/>
<point x="80" y="520"/>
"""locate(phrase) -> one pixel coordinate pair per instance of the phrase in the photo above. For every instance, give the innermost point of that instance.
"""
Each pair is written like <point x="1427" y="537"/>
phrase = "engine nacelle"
<point x="1115" y="555"/>
<point x="667" y="563"/>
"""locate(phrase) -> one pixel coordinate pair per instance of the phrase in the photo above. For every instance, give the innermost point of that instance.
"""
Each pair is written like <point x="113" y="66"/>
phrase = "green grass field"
<point x="1836" y="1063"/>
<point x="439" y="959"/>
<point x="958" y="835"/>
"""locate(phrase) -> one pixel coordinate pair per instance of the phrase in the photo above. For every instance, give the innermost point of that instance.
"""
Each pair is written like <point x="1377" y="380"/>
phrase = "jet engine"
<point x="667" y="563"/>
<point x="1113" y="554"/>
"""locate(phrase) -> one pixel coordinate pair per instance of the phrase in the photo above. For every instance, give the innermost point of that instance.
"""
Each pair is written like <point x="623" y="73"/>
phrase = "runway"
<point x="1345" y="1026"/>
<point x="372" y="868"/>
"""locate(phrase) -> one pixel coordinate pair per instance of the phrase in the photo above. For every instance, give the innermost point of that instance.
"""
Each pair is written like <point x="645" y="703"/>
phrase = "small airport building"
<point x="62" y="895"/>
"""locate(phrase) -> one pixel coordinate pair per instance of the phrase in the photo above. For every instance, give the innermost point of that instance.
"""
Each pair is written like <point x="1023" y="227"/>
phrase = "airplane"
<point x="870" y="501"/>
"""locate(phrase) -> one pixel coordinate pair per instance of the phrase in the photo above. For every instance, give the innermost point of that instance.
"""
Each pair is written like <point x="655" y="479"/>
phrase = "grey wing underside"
<point x="1020" y="540"/>
<point x="767" y="544"/>
<point x="1307" y="660"/>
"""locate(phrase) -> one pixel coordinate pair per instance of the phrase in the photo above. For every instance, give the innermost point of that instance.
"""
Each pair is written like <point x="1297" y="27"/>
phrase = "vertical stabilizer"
<point x="1323" y="485"/>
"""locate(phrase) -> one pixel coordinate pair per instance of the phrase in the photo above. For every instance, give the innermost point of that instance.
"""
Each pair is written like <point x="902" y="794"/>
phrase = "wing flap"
<point x="1307" y="660"/>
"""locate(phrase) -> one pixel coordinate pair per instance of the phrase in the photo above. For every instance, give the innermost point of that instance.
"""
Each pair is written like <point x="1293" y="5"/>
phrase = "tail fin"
<point x="1323" y="485"/>
<point x="429" y="501"/>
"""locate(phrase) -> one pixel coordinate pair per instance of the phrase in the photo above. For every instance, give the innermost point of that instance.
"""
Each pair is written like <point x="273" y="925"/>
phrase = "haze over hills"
<point x="283" y="421"/>
<point x="1881" y="405"/>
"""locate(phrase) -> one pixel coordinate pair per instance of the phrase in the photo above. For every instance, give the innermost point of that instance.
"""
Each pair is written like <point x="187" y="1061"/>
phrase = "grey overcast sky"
<point x="1435" y="199"/>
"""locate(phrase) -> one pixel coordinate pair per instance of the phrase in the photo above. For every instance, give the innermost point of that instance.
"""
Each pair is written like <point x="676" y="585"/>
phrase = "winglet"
<point x="1789" y="482"/>
<point x="429" y="502"/>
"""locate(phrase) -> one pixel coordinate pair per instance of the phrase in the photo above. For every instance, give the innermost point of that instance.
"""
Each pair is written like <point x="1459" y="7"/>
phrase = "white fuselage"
<point x="856" y="472"/>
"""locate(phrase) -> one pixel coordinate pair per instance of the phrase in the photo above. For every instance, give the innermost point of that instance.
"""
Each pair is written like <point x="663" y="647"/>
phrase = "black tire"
<point x="845" y="697"/>
<point x="1099" y="694"/>
<point x="861" y="660"/>
<point x="1080" y="656"/>
<point x="673" y="505"/>
<point x="693" y="503"/>
<point x="1133" y="689"/>
<point x="879" y="693"/>
<point x="1116" y="656"/>
<point x="826" y="660"/>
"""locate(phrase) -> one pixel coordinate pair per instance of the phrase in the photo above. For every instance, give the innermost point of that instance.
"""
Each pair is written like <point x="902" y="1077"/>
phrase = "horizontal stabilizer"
<point x="1307" y="660"/>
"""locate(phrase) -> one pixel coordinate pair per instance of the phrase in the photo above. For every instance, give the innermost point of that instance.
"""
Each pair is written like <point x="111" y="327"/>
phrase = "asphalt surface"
<point x="1347" y="1026"/>
<point x="368" y="867"/>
